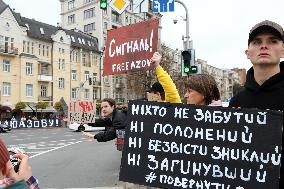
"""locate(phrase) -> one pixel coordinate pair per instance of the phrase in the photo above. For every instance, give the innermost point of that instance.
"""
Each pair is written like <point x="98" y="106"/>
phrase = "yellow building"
<point x="41" y="62"/>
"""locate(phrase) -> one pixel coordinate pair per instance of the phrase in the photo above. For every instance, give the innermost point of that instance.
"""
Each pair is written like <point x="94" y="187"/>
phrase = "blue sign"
<point x="163" y="6"/>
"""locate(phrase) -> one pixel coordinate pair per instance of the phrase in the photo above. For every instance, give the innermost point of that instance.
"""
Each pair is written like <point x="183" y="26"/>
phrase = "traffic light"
<point x="193" y="69"/>
<point x="186" y="55"/>
<point x="188" y="66"/>
<point x="103" y="4"/>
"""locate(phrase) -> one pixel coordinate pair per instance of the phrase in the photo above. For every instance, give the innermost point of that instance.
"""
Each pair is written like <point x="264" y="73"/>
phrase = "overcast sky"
<point x="219" y="28"/>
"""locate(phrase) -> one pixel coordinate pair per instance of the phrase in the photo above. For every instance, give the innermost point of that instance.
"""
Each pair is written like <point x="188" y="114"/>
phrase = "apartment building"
<point x="225" y="78"/>
<point x="41" y="62"/>
<point x="86" y="16"/>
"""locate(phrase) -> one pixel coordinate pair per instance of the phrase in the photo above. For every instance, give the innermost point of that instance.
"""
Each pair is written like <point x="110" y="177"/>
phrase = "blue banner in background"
<point x="163" y="6"/>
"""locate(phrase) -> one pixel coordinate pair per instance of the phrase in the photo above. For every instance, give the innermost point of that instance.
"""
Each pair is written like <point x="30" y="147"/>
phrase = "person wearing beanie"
<point x="264" y="86"/>
<point x="23" y="179"/>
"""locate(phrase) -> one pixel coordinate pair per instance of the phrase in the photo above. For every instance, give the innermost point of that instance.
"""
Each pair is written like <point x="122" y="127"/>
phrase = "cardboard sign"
<point x="130" y="47"/>
<point x="82" y="112"/>
<point x="181" y="146"/>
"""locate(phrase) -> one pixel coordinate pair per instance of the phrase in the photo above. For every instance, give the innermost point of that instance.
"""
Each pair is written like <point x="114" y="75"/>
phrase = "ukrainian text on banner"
<point x="130" y="47"/>
<point x="182" y="146"/>
<point x="82" y="112"/>
<point x="41" y="123"/>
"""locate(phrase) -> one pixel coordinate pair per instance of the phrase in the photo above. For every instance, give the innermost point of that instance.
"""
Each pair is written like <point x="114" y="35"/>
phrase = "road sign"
<point x="163" y="6"/>
<point x="119" y="5"/>
<point x="140" y="6"/>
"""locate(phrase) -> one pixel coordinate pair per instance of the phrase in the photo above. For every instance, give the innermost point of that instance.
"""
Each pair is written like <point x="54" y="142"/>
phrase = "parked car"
<point x="4" y="128"/>
<point x="84" y="127"/>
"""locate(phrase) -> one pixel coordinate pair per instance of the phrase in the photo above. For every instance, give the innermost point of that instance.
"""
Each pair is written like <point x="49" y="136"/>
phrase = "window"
<point x="32" y="47"/>
<point x="87" y="94"/>
<point x="88" y="1"/>
<point x="43" y="49"/>
<point x="61" y="64"/>
<point x="24" y="46"/>
<point x="95" y="94"/>
<point x="39" y="49"/>
<point x="95" y="78"/>
<point x="74" y="93"/>
<point x="61" y="83"/>
<point x="71" y="4"/>
<point x="47" y="51"/>
<point x="72" y="38"/>
<point x="86" y="75"/>
<point x="89" y="13"/>
<point x="29" y="90"/>
<point x="74" y="75"/>
<point x="6" y="66"/>
<point x="12" y="43"/>
<point x="6" y="89"/>
<point x="71" y="19"/>
<point x="115" y="17"/>
<point x="89" y="27"/>
<point x="105" y="25"/>
<point x="43" y="90"/>
<point x="29" y="68"/>
<point x="106" y="79"/>
<point x="41" y="31"/>
<point x="84" y="62"/>
<point x="126" y="19"/>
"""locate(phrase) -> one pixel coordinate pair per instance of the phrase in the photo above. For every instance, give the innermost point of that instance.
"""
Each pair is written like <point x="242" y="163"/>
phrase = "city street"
<point x="61" y="158"/>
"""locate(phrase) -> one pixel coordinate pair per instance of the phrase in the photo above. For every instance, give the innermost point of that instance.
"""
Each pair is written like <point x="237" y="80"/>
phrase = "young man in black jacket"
<point x="264" y="87"/>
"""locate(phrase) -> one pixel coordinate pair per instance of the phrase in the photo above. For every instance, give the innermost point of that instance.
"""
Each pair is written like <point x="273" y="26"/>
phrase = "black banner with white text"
<point x="185" y="146"/>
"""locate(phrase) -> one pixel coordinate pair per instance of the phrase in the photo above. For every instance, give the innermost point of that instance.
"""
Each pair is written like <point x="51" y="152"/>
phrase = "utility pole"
<point x="187" y="44"/>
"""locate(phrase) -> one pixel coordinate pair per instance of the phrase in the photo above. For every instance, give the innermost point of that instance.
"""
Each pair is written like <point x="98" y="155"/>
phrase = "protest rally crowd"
<point x="264" y="89"/>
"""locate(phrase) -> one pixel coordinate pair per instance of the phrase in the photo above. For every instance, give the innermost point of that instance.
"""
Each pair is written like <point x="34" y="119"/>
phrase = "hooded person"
<point x="264" y="86"/>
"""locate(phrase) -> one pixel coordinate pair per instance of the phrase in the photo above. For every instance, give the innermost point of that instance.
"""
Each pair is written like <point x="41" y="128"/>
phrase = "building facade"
<point x="45" y="63"/>
<point x="86" y="16"/>
<point x="225" y="78"/>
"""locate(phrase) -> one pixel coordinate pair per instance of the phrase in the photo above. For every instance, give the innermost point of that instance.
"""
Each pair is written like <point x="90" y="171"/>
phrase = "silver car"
<point x="4" y="128"/>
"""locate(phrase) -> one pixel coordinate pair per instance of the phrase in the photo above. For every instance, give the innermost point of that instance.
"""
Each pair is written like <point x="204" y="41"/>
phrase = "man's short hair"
<point x="157" y="87"/>
<point x="266" y="27"/>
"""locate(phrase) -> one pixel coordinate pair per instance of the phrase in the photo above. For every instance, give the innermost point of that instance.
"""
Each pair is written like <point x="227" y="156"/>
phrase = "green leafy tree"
<point x="58" y="106"/>
<point x="41" y="105"/>
<point x="20" y="106"/>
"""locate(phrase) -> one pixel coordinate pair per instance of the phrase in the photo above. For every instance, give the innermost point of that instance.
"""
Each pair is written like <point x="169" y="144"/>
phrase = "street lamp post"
<point x="186" y="46"/>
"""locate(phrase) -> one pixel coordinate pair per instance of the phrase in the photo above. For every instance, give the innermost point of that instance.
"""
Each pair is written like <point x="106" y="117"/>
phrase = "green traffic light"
<point x="193" y="69"/>
<point x="103" y="4"/>
<point x="186" y="69"/>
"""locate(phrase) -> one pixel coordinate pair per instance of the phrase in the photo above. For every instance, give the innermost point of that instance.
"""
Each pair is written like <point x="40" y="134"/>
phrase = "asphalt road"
<point x="61" y="158"/>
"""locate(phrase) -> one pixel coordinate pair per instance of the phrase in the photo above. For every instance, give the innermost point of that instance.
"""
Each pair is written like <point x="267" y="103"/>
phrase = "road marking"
<point x="54" y="149"/>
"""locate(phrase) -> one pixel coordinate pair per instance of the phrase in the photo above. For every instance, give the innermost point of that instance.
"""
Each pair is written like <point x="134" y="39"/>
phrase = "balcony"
<point x="44" y="98"/>
<point x="119" y="85"/>
<point x="46" y="78"/>
<point x="8" y="51"/>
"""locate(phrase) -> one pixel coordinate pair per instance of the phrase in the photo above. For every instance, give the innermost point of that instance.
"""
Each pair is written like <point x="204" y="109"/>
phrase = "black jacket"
<point x="270" y="95"/>
<point x="117" y="121"/>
